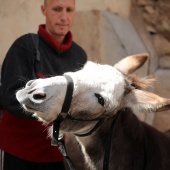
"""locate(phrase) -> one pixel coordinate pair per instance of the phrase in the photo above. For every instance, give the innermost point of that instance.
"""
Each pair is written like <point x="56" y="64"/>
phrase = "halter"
<point x="57" y="138"/>
<point x="65" y="109"/>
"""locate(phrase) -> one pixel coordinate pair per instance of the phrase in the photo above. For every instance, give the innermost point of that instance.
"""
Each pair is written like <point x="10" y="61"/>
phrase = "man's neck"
<point x="61" y="43"/>
<point x="57" y="38"/>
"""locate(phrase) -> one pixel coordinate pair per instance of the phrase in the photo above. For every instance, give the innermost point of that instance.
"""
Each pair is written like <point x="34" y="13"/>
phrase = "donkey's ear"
<point x="131" y="63"/>
<point x="142" y="101"/>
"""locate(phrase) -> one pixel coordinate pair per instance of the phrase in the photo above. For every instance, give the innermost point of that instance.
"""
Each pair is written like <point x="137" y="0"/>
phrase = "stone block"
<point x="121" y="7"/>
<point x="162" y="87"/>
<point x="142" y="2"/>
<point x="86" y="32"/>
<point x="164" y="62"/>
<point x="107" y="37"/>
<point x="162" y="119"/>
<point x="146" y="38"/>
<point x="18" y="17"/>
<point x="162" y="45"/>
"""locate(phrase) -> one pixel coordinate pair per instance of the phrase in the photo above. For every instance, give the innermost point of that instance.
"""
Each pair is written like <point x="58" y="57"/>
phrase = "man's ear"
<point x="143" y="101"/>
<point x="43" y="10"/>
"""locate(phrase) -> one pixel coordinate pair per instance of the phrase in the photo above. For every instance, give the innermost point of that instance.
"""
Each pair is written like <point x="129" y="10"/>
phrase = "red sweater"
<point x="28" y="138"/>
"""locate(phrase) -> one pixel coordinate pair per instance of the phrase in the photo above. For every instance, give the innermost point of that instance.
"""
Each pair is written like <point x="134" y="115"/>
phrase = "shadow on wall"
<point x="0" y="107"/>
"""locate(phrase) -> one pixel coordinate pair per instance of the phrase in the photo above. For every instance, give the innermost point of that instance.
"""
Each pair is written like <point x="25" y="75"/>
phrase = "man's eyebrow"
<point x="71" y="7"/>
<point x="56" y="6"/>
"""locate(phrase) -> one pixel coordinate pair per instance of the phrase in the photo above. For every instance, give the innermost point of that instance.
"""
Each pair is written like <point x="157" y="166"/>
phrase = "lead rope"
<point x="108" y="144"/>
<point x="62" y="149"/>
<point x="57" y="140"/>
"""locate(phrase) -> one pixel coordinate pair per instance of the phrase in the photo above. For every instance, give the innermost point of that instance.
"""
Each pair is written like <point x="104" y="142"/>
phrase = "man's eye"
<point x="57" y="9"/>
<point x="70" y="9"/>
<point x="100" y="99"/>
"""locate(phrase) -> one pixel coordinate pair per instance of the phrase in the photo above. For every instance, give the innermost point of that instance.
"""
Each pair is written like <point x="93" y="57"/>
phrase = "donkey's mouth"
<point x="29" y="108"/>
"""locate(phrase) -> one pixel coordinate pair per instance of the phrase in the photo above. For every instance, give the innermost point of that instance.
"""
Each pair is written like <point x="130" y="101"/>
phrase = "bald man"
<point x="24" y="141"/>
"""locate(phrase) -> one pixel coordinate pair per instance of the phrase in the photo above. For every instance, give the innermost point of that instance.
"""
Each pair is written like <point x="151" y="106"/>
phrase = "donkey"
<point x="103" y="114"/>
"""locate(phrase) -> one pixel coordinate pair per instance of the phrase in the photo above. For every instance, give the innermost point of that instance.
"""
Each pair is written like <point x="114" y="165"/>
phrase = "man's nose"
<point x="64" y="15"/>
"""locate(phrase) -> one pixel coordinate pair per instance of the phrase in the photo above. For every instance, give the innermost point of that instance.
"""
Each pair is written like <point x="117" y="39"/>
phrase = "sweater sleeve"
<point x="17" y="69"/>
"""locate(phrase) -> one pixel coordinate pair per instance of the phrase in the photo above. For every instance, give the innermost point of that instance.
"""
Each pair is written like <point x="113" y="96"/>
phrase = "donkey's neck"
<point x="93" y="146"/>
<point x="127" y="127"/>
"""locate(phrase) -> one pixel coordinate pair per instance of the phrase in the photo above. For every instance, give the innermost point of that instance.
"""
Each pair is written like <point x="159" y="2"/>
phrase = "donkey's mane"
<point x="141" y="83"/>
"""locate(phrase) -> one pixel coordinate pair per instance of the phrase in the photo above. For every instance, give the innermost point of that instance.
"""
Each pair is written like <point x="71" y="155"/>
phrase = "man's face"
<point x="59" y="16"/>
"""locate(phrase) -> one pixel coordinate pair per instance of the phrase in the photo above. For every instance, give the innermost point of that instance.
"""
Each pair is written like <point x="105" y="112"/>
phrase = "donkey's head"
<point x="99" y="91"/>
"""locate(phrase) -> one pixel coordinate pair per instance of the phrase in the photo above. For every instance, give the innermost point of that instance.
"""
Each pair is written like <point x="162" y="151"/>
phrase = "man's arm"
<point x="17" y="69"/>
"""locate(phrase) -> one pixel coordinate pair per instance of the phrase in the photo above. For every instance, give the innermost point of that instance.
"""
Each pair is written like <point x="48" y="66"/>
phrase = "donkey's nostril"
<point x="31" y="91"/>
<point x="39" y="96"/>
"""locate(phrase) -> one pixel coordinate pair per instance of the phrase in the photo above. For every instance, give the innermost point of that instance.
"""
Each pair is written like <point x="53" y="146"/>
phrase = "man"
<point x="22" y="138"/>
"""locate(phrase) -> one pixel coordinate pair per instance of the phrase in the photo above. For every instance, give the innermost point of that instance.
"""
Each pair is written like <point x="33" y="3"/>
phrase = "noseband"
<point x="69" y="93"/>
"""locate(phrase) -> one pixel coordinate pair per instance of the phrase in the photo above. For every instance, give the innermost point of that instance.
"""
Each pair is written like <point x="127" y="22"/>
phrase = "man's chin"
<point x="62" y="33"/>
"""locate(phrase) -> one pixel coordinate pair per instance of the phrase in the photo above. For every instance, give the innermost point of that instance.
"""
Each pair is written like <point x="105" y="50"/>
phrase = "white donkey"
<point x="102" y="114"/>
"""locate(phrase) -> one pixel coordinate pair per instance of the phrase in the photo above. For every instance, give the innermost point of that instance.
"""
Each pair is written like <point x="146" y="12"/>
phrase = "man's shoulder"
<point x="24" y="41"/>
<point x="25" y="37"/>
<point x="78" y="51"/>
<point x="77" y="47"/>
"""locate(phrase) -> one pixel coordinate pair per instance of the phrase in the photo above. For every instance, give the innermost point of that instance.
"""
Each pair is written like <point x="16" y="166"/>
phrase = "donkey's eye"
<point x="100" y="99"/>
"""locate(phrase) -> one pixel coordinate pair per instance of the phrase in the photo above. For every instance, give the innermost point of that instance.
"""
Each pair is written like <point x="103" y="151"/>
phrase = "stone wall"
<point x="108" y="30"/>
<point x="156" y="17"/>
<point x="17" y="17"/>
<point x="121" y="7"/>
